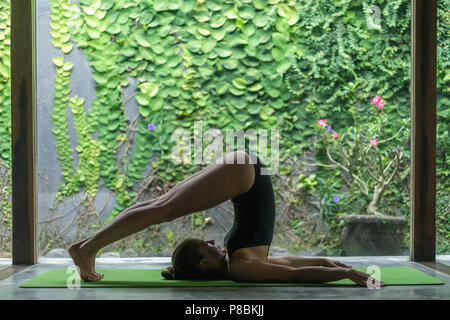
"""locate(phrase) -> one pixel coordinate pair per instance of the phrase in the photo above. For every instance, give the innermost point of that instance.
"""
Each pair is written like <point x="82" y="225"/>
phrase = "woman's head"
<point x="197" y="259"/>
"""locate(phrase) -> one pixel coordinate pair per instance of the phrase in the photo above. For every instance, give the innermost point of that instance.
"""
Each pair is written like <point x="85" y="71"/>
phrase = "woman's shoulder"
<point x="245" y="261"/>
<point x="256" y="253"/>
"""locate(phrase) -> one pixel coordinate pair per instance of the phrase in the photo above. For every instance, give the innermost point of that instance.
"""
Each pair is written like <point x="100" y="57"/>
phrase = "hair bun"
<point x="168" y="273"/>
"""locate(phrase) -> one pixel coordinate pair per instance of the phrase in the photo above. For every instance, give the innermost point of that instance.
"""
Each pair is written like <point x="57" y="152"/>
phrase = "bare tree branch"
<point x="361" y="185"/>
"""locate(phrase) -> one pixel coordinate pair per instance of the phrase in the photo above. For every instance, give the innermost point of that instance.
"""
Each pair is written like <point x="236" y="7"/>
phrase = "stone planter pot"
<point x="364" y="235"/>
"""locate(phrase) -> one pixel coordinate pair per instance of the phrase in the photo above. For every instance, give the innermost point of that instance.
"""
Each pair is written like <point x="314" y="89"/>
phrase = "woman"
<point x="236" y="176"/>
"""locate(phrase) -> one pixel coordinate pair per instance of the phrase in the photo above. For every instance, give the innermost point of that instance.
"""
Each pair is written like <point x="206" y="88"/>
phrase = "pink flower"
<point x="335" y="136"/>
<point x="376" y="100"/>
<point x="373" y="142"/>
<point x="322" y="122"/>
<point x="380" y="104"/>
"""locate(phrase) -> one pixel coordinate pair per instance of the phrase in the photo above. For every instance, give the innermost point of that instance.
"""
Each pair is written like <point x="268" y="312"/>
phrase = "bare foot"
<point x="84" y="261"/>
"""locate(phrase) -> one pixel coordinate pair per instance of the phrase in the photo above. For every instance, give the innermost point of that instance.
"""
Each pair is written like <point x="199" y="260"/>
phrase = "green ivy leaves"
<point x="142" y="38"/>
<point x="149" y="88"/>
<point x="5" y="85"/>
<point x="61" y="96"/>
<point x="289" y="13"/>
<point x="239" y="64"/>
<point x="60" y="30"/>
<point x="88" y="171"/>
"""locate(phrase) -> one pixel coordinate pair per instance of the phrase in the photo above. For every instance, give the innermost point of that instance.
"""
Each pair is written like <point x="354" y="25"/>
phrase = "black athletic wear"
<point x="254" y="214"/>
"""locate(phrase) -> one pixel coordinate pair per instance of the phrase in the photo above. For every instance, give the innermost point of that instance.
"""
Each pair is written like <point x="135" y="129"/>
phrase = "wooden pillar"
<point x="23" y="122"/>
<point x="423" y="130"/>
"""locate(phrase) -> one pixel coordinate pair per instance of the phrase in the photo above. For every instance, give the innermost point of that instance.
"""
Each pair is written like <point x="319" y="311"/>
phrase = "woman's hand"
<point x="168" y="273"/>
<point x="360" y="278"/>
<point x="333" y="263"/>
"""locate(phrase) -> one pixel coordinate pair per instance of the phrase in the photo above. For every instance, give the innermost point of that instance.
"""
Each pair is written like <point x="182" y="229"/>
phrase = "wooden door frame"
<point x="423" y="130"/>
<point x="23" y="132"/>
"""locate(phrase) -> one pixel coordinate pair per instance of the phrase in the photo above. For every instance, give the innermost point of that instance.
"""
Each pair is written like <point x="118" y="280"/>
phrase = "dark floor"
<point x="9" y="287"/>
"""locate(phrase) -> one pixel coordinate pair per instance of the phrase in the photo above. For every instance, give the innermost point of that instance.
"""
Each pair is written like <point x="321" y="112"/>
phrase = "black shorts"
<point x="254" y="214"/>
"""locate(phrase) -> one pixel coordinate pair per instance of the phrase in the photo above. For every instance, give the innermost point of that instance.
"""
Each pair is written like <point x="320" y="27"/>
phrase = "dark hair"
<point x="186" y="262"/>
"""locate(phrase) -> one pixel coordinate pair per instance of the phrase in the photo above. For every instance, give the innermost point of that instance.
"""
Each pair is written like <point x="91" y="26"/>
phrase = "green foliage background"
<point x="242" y="64"/>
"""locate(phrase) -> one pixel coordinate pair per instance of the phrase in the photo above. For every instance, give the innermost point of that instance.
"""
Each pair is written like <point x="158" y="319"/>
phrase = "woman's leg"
<point x="148" y="202"/>
<point x="211" y="186"/>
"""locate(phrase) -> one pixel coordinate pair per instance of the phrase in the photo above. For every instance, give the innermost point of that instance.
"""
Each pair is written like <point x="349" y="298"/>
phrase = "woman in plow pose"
<point x="237" y="177"/>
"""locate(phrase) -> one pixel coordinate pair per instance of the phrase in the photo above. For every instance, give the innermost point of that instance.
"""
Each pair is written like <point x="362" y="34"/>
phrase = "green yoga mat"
<point x="62" y="278"/>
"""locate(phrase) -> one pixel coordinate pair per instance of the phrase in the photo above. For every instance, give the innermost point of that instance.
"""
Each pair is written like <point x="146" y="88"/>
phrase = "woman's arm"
<point x="303" y="262"/>
<point x="253" y="271"/>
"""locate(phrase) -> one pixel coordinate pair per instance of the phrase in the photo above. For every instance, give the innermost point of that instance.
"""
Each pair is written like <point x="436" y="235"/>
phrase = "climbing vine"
<point x="5" y="129"/>
<point x="5" y="83"/>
